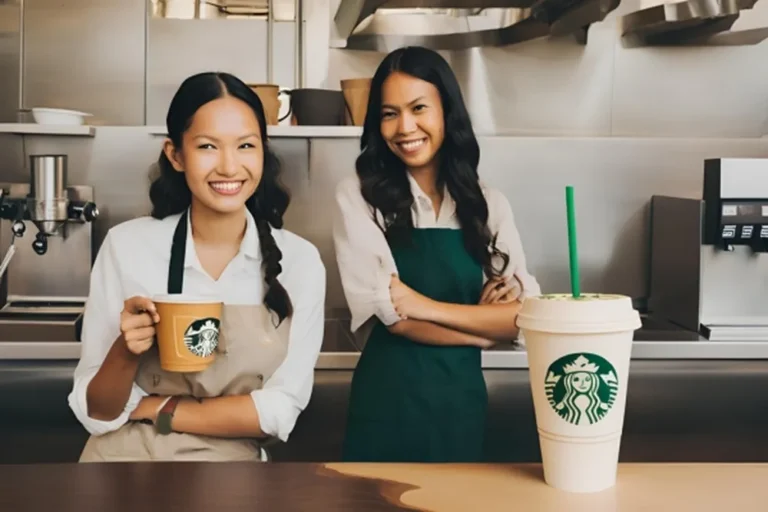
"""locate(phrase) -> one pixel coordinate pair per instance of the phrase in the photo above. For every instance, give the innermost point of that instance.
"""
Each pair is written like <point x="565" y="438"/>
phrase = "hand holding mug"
<point x="137" y="324"/>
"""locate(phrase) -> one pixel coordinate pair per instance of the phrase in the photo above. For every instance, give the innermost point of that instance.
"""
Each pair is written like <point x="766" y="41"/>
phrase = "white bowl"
<point x="58" y="116"/>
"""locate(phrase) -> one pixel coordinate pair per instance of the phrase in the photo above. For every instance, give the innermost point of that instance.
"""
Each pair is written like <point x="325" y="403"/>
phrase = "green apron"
<point x="412" y="402"/>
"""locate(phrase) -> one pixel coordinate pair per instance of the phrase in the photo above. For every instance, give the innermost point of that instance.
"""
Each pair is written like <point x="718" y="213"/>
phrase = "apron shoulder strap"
<point x="178" y="251"/>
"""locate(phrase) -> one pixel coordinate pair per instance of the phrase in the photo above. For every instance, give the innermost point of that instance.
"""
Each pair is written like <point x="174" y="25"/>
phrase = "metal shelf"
<point x="294" y="131"/>
<point x="47" y="129"/>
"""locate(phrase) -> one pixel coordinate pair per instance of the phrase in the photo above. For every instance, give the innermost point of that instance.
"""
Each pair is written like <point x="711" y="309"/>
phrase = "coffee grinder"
<point x="45" y="284"/>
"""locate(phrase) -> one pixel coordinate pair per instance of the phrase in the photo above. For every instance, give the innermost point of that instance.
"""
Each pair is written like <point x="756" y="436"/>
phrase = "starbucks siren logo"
<point x="581" y="388"/>
<point x="202" y="336"/>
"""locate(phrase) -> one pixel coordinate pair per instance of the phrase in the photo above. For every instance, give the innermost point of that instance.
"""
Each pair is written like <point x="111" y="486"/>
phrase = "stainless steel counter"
<point x="492" y="359"/>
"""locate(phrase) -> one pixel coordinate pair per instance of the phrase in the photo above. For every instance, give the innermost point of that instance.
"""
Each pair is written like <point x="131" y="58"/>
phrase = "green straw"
<point x="572" y="245"/>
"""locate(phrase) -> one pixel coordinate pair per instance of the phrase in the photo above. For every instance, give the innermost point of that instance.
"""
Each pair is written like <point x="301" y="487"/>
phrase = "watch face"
<point x="164" y="423"/>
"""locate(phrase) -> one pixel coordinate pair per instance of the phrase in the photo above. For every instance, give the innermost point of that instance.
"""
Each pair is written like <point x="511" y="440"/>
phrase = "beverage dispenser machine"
<point x="709" y="255"/>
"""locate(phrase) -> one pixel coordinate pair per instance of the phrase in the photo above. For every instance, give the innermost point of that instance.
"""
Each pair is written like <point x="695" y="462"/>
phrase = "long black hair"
<point x="170" y="194"/>
<point x="383" y="178"/>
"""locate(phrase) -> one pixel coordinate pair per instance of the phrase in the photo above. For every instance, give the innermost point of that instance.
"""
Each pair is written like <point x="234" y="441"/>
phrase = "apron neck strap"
<point x="178" y="252"/>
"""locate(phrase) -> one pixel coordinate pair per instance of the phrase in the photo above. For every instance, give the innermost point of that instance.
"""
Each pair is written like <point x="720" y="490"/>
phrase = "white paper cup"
<point x="578" y="360"/>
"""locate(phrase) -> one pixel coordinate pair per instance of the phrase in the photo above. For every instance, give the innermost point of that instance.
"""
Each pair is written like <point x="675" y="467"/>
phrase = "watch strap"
<point x="165" y="415"/>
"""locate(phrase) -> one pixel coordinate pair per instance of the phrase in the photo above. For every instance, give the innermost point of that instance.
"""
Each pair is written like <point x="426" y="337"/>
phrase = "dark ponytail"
<point x="170" y="194"/>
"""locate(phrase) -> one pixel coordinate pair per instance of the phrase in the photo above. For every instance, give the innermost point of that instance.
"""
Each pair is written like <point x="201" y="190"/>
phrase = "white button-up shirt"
<point x="366" y="263"/>
<point x="133" y="260"/>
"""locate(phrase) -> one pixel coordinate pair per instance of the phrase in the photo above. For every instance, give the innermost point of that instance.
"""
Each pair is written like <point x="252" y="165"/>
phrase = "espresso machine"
<point x="45" y="235"/>
<point x="709" y="256"/>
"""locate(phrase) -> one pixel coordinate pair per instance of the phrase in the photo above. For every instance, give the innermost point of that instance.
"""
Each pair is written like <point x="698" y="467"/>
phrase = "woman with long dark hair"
<point x="432" y="268"/>
<point x="216" y="230"/>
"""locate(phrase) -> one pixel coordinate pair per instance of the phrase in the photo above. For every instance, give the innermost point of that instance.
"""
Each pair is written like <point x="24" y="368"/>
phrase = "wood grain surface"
<point x="190" y="487"/>
<point x="521" y="487"/>
<point x="193" y="487"/>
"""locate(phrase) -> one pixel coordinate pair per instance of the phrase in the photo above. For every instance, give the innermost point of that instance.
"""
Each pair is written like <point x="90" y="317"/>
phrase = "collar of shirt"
<point x="249" y="247"/>
<point x="424" y="213"/>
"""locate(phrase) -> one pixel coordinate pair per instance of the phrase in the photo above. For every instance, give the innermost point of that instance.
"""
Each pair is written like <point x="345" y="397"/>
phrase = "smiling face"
<point x="412" y="120"/>
<point x="221" y="155"/>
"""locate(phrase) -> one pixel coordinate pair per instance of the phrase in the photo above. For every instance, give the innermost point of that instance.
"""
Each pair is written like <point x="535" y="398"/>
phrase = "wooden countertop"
<point x="192" y="487"/>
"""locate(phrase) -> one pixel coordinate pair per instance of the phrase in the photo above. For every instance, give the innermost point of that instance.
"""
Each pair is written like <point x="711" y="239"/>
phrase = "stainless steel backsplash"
<point x="614" y="180"/>
<point x="570" y="107"/>
<point x="124" y="66"/>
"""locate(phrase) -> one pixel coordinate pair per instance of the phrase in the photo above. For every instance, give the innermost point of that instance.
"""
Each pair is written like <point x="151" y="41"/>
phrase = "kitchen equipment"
<point x="47" y="202"/>
<point x="686" y="22"/>
<point x="709" y="257"/>
<point x="58" y="116"/>
<point x="382" y="25"/>
<point x="7" y="260"/>
<point x="41" y="299"/>
<point x="356" y="92"/>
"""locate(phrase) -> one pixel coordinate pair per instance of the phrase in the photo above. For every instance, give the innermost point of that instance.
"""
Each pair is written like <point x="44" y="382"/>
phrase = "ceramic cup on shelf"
<point x="274" y="99"/>
<point x="316" y="107"/>
<point x="356" y="92"/>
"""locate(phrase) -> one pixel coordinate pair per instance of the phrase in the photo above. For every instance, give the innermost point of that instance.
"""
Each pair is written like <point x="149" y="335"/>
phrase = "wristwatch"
<point x="165" y="415"/>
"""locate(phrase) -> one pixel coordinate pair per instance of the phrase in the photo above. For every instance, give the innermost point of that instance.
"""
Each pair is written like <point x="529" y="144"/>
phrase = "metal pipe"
<point x="20" y="106"/>
<point x="270" y="36"/>
<point x="299" y="55"/>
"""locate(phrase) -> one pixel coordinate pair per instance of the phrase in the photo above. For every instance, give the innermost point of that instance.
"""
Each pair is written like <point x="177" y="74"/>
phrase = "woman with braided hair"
<point x="216" y="229"/>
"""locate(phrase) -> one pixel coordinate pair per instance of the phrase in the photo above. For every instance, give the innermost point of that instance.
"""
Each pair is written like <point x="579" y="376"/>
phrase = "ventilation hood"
<point x="384" y="25"/>
<point x="690" y="22"/>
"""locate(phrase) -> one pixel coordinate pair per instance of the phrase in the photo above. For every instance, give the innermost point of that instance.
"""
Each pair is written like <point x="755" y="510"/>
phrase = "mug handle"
<point x="287" y="92"/>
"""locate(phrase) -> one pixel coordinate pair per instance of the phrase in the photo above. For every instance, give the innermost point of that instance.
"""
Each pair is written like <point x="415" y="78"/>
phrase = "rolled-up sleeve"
<point x="365" y="262"/>
<point x="101" y="326"/>
<point x="286" y="393"/>
<point x="502" y="223"/>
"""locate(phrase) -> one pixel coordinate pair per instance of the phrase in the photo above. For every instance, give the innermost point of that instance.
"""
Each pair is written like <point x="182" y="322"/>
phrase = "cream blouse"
<point x="133" y="260"/>
<point x="366" y="263"/>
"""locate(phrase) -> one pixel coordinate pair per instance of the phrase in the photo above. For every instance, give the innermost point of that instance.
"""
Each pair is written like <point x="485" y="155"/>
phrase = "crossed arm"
<point x="367" y="271"/>
<point x="428" y="321"/>
<point x="225" y="416"/>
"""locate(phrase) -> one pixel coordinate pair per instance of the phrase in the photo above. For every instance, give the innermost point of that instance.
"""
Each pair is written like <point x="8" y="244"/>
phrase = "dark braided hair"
<point x="170" y="194"/>
<point x="383" y="178"/>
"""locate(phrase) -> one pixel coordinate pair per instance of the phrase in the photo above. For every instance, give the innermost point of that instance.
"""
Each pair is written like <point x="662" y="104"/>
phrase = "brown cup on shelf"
<point x="317" y="107"/>
<point x="356" y="91"/>
<point x="269" y="94"/>
<point x="188" y="331"/>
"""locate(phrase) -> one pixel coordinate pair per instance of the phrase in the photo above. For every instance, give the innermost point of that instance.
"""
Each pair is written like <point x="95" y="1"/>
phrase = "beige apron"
<point x="250" y="350"/>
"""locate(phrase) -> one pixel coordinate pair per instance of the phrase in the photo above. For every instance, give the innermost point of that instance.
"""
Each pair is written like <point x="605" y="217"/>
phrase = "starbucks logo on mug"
<point x="202" y="336"/>
<point x="581" y="388"/>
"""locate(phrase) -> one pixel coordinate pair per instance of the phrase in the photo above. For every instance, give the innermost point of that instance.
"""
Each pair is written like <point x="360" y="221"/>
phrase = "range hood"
<point x="690" y="22"/>
<point x="384" y="25"/>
